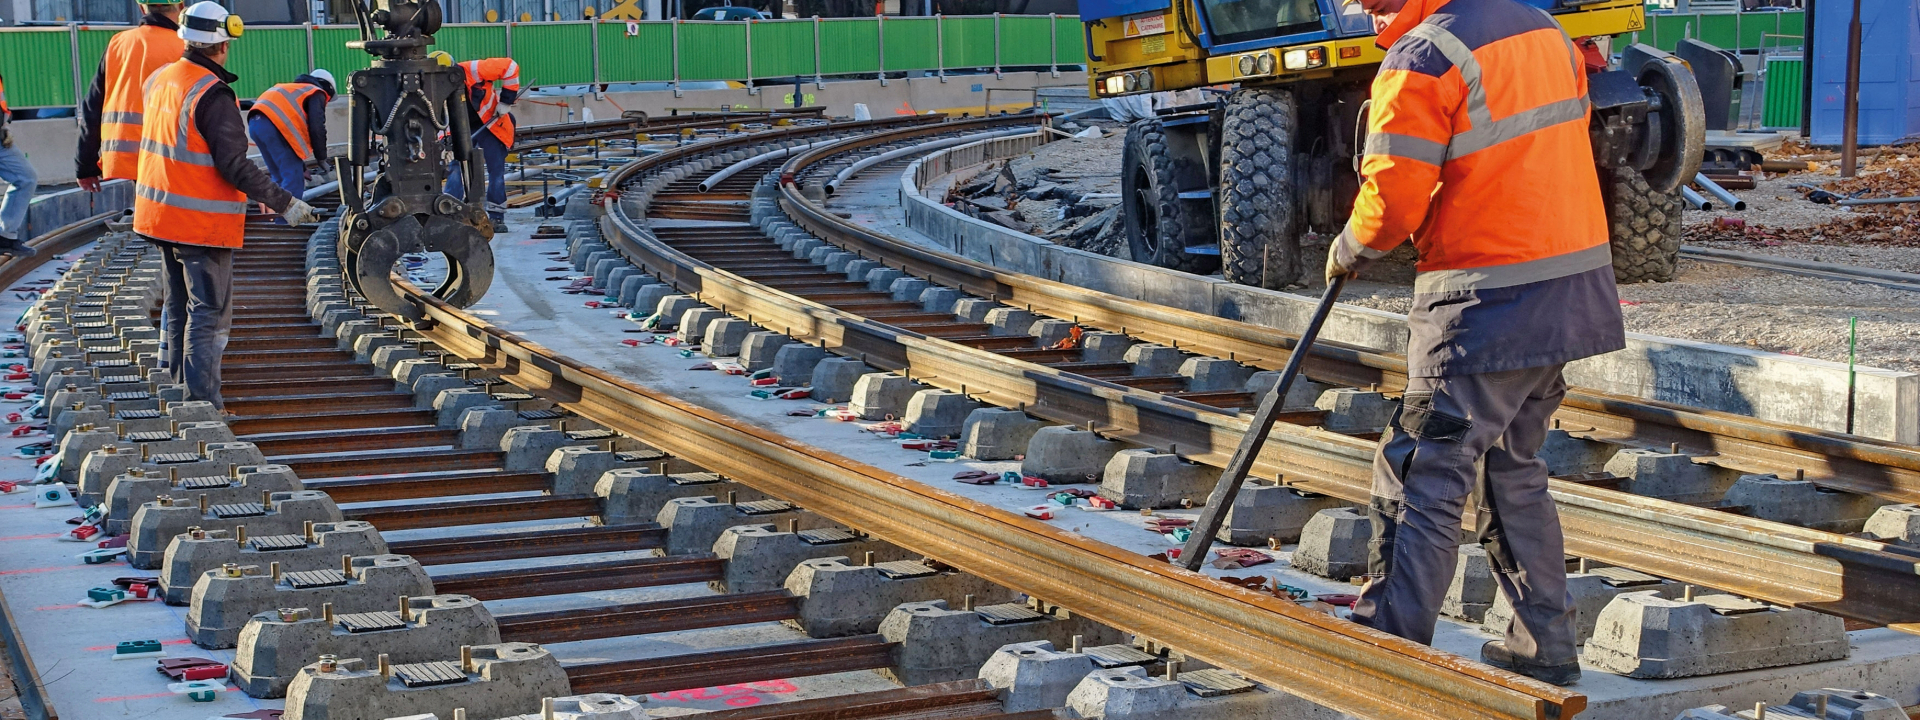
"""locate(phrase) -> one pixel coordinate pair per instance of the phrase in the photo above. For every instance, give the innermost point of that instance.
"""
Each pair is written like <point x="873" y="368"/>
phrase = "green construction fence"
<point x="49" y="66"/>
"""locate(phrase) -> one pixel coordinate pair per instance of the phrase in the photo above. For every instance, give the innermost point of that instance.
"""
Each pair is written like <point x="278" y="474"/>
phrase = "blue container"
<point x="1889" y="71"/>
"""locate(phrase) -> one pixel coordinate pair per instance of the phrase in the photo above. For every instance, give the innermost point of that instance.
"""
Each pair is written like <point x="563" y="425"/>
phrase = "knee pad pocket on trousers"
<point x="1385" y="516"/>
<point x="1416" y="416"/>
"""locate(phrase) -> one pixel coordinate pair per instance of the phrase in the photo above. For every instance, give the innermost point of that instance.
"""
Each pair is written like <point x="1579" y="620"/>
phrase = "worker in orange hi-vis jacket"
<point x="494" y="136"/>
<point x="1477" y="149"/>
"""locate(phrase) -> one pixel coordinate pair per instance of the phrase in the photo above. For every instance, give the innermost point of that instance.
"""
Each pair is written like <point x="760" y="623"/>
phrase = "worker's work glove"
<point x="300" y="213"/>
<point x="1343" y="261"/>
<point x="91" y="184"/>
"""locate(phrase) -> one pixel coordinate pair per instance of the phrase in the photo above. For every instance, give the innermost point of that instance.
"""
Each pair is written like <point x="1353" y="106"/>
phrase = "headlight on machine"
<point x="1146" y="80"/>
<point x="1115" y="84"/>
<point x="1247" y="65"/>
<point x="1265" y="64"/>
<point x="1304" y="58"/>
<point x="1133" y="82"/>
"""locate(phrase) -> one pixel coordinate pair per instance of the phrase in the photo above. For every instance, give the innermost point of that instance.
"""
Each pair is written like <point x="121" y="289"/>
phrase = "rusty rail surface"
<point x="1855" y="578"/>
<point x="804" y="658"/>
<point x="648" y="617"/>
<point x="1329" y="661"/>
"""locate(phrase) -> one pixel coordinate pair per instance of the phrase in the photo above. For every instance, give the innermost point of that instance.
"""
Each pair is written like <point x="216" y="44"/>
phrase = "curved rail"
<point x="1825" y="271"/>
<point x="1779" y="563"/>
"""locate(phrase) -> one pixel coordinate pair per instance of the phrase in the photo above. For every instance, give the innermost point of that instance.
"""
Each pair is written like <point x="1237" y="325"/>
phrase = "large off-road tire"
<point x="1643" y="226"/>
<point x="1160" y="225"/>
<point x="1259" y="216"/>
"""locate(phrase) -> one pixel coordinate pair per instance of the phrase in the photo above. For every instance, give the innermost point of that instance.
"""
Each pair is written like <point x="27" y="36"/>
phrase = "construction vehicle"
<point x="1233" y="184"/>
<point x="409" y="116"/>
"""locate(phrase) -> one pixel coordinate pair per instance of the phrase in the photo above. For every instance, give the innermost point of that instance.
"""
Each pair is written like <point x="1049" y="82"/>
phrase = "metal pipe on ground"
<point x="1881" y="201"/>
<point x="1693" y="198"/>
<point x="841" y="177"/>
<point x="1719" y="193"/>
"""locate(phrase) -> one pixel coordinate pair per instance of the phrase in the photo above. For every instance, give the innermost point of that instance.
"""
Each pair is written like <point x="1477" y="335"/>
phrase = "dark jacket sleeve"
<point x="218" y="119"/>
<point x="86" y="158"/>
<point x="316" y="107"/>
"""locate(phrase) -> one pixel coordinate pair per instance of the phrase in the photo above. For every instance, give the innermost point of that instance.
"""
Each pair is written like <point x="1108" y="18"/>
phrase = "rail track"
<point x="303" y="399"/>
<point x="734" y="268"/>
<point x="1805" y="268"/>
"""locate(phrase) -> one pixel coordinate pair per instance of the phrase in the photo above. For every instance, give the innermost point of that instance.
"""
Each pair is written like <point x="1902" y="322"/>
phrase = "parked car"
<point x="729" y="12"/>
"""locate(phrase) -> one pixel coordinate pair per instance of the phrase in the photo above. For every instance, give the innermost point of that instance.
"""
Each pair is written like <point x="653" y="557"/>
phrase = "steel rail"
<point x="1774" y="562"/>
<point x="1328" y="661"/>
<point x="803" y="658"/>
<point x="580" y="577"/>
<point x="532" y="544"/>
<point x="1838" y="461"/>
<point x="646" y="618"/>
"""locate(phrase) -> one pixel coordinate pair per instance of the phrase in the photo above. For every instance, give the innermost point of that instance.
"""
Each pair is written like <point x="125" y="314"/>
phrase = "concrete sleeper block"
<point x="992" y="433"/>
<point x="760" y="558"/>
<point x="839" y="598"/>
<point x="879" y="396"/>
<point x="1802" y="503"/>
<point x="761" y="348"/>
<point x="436" y="628"/>
<point x="725" y="336"/>
<point x="156" y="525"/>
<point x="937" y="413"/>
<point x="1034" y="676"/>
<point x="939" y="644"/>
<point x="128" y="492"/>
<point x="224" y="601"/>
<point x="694" y="524"/>
<point x="634" y="495"/>
<point x="1643" y="635"/>
<point x="1146" y="478"/>
<point x="835" y="378"/>
<point x="189" y="557"/>
<point x="507" y="680"/>
<point x="1334" y="544"/>
<point x="794" y="363"/>
<point x="1061" y="454"/>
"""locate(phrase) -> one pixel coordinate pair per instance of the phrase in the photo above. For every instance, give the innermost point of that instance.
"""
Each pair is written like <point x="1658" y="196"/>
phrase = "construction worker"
<point x="110" y="115"/>
<point x="494" y="135"/>
<point x="21" y="183"/>
<point x="1477" y="148"/>
<point x="191" y="194"/>
<point x="289" y="124"/>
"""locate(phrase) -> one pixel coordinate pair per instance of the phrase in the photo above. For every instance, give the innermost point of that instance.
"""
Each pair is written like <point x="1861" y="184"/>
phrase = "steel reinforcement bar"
<point x="1774" y="562"/>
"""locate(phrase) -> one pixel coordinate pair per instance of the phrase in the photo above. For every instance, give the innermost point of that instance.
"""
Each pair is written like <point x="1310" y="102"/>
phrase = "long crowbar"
<point x="1235" y="473"/>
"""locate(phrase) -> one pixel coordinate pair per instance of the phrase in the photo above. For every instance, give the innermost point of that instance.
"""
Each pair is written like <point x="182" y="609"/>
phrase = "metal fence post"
<point x="509" y="35"/>
<point x="79" y="91"/>
<point x="940" y="45"/>
<point x="311" y="64"/>
<point x="751" y="90"/>
<point x="593" y="30"/>
<point x="880" y="32"/>
<point x="1053" y="40"/>
<point x="996" y="46"/>
<point x="676" y="55"/>
<point x="819" y="83"/>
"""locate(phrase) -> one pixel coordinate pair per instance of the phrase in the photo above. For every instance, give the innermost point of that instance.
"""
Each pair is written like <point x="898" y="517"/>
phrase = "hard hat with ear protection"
<point x="207" y="23"/>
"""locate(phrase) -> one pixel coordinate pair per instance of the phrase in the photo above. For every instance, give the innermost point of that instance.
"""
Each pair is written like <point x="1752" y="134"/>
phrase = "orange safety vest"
<point x="3" y="101"/>
<point x="285" y="106"/>
<point x="132" y="57"/>
<point x="180" y="196"/>
<point x="482" y="74"/>
<point x="1477" y="147"/>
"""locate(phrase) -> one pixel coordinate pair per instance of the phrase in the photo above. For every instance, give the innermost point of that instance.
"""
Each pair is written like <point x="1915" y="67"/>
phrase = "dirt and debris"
<point x="1788" y="209"/>
<point x="1067" y="191"/>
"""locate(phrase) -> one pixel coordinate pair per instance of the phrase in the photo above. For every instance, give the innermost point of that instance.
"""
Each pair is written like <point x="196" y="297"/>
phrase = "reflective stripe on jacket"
<point x="132" y="57"/>
<point x="285" y="105"/>
<point x="180" y="195"/>
<point x="481" y="74"/>
<point x="1478" y="148"/>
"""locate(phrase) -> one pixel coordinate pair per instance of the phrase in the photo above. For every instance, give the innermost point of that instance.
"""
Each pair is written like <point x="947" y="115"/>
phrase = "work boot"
<point x="500" y="224"/>
<point x="12" y="246"/>
<point x="1495" y="653"/>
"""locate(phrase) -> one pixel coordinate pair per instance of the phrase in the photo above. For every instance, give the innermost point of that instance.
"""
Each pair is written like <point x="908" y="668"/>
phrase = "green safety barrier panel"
<point x="40" y="63"/>
<point x="1763" y="31"/>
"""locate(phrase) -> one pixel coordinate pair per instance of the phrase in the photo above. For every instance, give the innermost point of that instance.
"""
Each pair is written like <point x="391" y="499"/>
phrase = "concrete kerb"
<point x="1768" y="386"/>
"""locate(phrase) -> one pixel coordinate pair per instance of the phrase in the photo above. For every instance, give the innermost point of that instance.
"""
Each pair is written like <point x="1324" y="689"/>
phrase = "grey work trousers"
<point x="198" y="316"/>
<point x="1423" y="474"/>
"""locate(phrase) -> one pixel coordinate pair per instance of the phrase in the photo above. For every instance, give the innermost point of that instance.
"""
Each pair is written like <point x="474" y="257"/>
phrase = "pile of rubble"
<point x="1048" y="194"/>
<point x="1886" y="172"/>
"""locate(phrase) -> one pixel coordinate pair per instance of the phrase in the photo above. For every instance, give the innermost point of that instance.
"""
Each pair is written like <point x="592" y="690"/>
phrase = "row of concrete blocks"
<point x="641" y="191"/>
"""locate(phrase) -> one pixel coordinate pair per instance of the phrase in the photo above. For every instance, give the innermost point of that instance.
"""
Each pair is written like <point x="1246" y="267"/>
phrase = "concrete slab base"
<point x="274" y="645"/>
<point x="1823" y="704"/>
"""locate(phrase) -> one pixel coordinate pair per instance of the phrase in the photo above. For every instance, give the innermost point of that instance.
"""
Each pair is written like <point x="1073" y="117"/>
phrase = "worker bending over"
<point x="1477" y="147"/>
<point x="191" y="194"/>
<point x="21" y="183"/>
<point x="110" y="116"/>
<point x="494" y="138"/>
<point x="289" y="124"/>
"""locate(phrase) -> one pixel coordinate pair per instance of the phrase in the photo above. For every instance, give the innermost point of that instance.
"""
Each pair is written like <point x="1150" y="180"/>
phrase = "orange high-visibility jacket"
<point x="481" y="75"/>
<point x="3" y="101"/>
<point x="285" y="105"/>
<point x="132" y="57"/>
<point x="1477" y="147"/>
<point x="180" y="195"/>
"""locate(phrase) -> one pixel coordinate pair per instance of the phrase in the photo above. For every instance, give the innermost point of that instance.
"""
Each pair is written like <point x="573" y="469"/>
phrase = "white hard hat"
<point x="322" y="74"/>
<point x="207" y="23"/>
